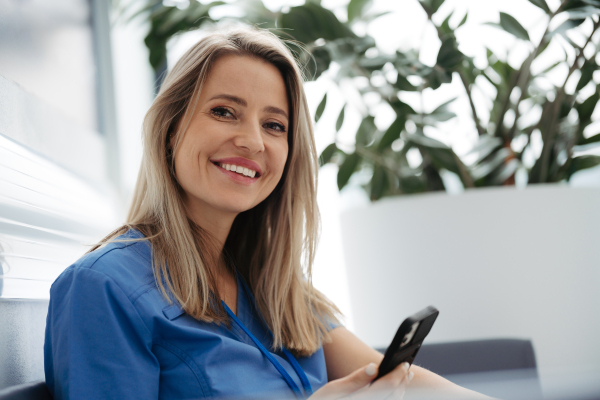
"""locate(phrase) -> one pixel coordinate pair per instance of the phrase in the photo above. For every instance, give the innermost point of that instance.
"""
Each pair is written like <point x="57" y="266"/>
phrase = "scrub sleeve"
<point x="105" y="350"/>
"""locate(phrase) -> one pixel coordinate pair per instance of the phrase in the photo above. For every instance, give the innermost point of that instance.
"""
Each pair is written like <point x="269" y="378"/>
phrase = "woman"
<point x="202" y="293"/>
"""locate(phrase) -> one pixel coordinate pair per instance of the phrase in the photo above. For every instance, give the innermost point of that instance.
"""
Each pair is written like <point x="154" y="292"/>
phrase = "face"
<point x="233" y="153"/>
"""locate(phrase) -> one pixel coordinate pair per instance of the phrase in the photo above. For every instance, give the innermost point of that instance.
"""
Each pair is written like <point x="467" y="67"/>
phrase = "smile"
<point x="238" y="169"/>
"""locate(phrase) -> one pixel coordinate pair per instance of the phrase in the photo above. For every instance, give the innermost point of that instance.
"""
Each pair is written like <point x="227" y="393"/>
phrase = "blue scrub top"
<point x="110" y="334"/>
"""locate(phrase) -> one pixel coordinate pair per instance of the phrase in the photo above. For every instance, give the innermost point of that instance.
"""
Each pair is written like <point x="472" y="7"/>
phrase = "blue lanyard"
<point x="292" y="360"/>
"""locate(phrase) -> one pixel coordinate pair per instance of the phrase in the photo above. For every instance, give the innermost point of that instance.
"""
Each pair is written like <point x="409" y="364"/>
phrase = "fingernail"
<point x="406" y="366"/>
<point x="410" y="375"/>
<point x="371" y="369"/>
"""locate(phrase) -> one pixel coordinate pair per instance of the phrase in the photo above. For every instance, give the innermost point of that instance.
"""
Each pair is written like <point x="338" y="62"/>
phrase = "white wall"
<point x="497" y="263"/>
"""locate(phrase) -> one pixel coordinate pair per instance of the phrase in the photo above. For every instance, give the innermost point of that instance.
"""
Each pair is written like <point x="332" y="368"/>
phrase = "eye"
<point x="222" y="112"/>
<point x="275" y="126"/>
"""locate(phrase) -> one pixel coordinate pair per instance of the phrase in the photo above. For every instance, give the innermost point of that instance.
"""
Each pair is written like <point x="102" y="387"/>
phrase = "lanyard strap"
<point x="290" y="357"/>
<point x="299" y="370"/>
<point x="267" y="354"/>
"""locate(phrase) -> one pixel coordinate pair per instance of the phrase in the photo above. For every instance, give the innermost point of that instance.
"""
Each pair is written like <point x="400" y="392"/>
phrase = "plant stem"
<point x="463" y="79"/>
<point x="480" y="129"/>
<point x="556" y="107"/>
<point x="524" y="74"/>
<point x="378" y="159"/>
<point x="522" y="82"/>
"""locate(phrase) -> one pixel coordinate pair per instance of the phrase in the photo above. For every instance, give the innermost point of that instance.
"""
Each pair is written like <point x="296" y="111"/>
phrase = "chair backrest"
<point x="499" y="368"/>
<point x="28" y="391"/>
<point x="477" y="356"/>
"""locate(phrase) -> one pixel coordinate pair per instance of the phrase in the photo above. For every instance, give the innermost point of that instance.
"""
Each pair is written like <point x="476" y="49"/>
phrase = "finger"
<point x="348" y="385"/>
<point x="357" y="380"/>
<point x="398" y="393"/>
<point x="393" y="380"/>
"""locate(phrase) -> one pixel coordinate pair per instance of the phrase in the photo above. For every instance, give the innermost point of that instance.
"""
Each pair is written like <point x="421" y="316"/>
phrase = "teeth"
<point x="240" y="170"/>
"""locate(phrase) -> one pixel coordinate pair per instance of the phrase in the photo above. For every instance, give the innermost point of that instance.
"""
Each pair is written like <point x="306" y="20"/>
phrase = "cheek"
<point x="185" y="161"/>
<point x="281" y="158"/>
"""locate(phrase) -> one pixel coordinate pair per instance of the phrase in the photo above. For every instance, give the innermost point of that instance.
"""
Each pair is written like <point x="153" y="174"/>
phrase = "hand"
<point x="358" y="385"/>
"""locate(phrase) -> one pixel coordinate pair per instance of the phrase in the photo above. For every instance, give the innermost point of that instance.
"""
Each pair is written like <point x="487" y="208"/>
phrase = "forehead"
<point x="255" y="80"/>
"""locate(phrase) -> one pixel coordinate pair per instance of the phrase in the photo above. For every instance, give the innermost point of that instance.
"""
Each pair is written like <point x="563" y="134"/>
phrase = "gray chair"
<point x="488" y="366"/>
<point x="28" y="391"/>
<point x="477" y="356"/>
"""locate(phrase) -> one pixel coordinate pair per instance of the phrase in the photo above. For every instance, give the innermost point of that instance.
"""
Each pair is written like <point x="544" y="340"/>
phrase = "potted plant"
<point x="494" y="261"/>
<point x="504" y="139"/>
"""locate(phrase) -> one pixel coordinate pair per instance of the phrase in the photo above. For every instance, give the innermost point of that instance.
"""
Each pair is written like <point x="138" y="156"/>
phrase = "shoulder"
<point x="125" y="262"/>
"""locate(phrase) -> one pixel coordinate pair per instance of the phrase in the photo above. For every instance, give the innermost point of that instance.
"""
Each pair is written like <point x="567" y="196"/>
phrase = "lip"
<point x="242" y="162"/>
<point x="242" y="179"/>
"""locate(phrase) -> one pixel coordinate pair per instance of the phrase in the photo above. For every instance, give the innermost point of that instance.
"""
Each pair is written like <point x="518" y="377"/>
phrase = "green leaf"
<point x="583" y="162"/>
<point x="484" y="147"/>
<point x="347" y="169"/>
<point x="436" y="78"/>
<point x="401" y="108"/>
<point x="441" y="113"/>
<point x="365" y="131"/>
<point x="379" y="182"/>
<point x="363" y="43"/>
<point x="587" y="72"/>
<point x="511" y="25"/>
<point x="484" y="143"/>
<point x="403" y="84"/>
<point x="565" y="26"/>
<point x="489" y="165"/>
<point x="445" y="26"/>
<point x="356" y="8"/>
<point x="425" y="141"/>
<point x="327" y="154"/>
<point x="590" y="140"/>
<point x="321" y="108"/>
<point x="370" y="17"/>
<point x="550" y="68"/>
<point x="464" y="20"/>
<point x="310" y="22"/>
<point x="441" y="156"/>
<point x="431" y="6"/>
<point x="586" y="109"/>
<point x="318" y="63"/>
<point x="541" y="4"/>
<point x="413" y="184"/>
<point x="571" y="4"/>
<point x="377" y="62"/>
<point x="449" y="56"/>
<point x="505" y="171"/>
<point x="392" y="133"/>
<point x="340" y="119"/>
<point x="583" y="12"/>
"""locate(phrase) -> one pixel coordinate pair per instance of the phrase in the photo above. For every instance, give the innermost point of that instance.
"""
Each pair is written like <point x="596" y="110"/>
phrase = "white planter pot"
<point x="497" y="263"/>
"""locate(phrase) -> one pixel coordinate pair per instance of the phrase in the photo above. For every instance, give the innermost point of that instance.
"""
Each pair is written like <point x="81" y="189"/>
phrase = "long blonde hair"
<point x="269" y="243"/>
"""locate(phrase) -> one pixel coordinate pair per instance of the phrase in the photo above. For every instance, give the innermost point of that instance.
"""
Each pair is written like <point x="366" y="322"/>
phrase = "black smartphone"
<point x="408" y="340"/>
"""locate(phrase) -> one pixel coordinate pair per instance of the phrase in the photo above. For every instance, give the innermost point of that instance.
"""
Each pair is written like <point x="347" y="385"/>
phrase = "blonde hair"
<point x="269" y="242"/>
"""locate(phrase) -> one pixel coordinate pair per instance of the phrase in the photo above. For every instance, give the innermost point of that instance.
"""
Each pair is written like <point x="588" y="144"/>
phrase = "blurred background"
<point x="459" y="142"/>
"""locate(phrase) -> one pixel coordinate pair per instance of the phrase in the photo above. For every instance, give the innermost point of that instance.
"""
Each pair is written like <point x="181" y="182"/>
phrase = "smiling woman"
<point x="202" y="293"/>
<point x="233" y="152"/>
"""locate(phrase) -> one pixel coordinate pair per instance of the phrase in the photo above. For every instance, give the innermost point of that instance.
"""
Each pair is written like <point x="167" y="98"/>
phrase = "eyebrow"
<point x="244" y="103"/>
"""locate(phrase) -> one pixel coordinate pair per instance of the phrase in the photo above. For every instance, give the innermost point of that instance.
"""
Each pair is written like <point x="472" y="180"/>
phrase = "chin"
<point x="237" y="208"/>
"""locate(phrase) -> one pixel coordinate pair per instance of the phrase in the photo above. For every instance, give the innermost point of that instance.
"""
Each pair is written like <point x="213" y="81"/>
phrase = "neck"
<point x="215" y="224"/>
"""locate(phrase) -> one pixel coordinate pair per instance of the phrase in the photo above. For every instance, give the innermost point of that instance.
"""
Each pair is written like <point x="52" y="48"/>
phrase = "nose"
<point x="250" y="137"/>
